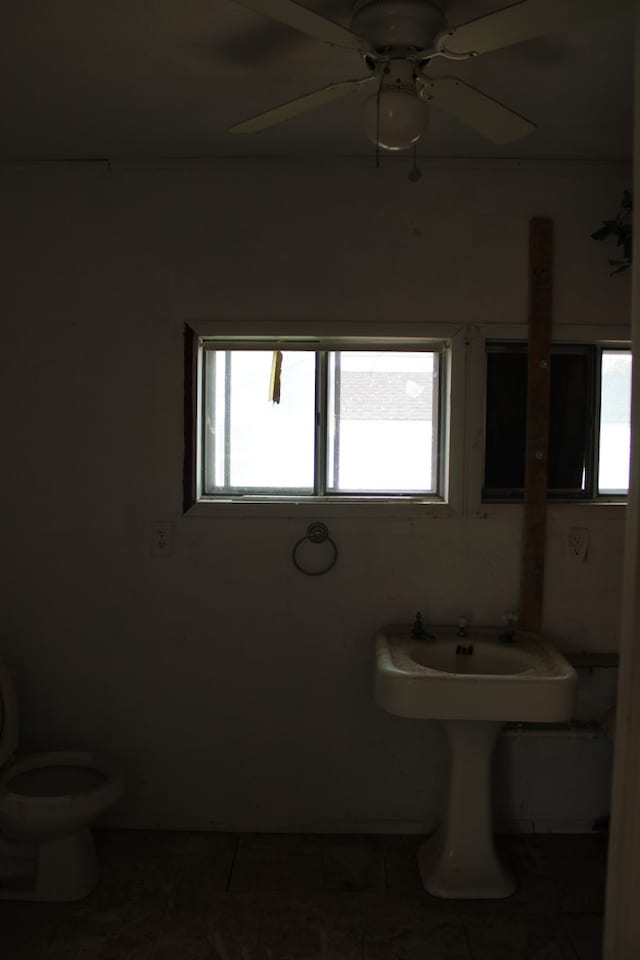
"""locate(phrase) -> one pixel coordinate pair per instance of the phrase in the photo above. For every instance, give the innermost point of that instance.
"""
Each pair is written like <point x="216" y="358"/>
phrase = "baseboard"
<point x="202" y="824"/>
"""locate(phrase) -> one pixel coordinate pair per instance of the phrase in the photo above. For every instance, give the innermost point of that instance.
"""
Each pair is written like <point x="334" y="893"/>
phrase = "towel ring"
<point x="316" y="533"/>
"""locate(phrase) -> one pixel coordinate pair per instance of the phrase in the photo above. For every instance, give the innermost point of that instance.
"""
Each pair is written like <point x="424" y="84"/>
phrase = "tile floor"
<point x="216" y="896"/>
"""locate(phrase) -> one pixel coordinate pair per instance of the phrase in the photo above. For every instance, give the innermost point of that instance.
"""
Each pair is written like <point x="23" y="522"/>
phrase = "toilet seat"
<point x="82" y="761"/>
<point x="48" y="802"/>
<point x="44" y="775"/>
<point x="46" y="793"/>
<point x="45" y="803"/>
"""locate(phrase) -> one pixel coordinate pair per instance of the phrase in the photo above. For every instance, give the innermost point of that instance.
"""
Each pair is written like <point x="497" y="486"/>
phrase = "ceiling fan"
<point x="397" y="40"/>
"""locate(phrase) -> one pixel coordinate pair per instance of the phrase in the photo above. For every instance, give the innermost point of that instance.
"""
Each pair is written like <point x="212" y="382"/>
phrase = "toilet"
<point x="47" y="803"/>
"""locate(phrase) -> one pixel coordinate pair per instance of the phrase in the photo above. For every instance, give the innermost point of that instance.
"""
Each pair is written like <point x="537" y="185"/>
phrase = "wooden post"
<point x="538" y="404"/>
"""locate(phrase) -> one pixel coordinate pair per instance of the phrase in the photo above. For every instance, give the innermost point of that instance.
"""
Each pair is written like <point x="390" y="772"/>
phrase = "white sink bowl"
<point x="525" y="680"/>
<point x="472" y="684"/>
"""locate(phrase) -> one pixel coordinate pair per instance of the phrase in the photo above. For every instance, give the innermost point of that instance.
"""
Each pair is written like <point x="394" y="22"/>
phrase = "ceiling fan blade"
<point x="262" y="44"/>
<point x="524" y="21"/>
<point x="293" y="108"/>
<point x="479" y="111"/>
<point x="307" y="21"/>
<point x="265" y="41"/>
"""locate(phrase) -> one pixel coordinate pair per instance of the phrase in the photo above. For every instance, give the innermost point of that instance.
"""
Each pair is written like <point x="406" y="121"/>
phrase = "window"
<point x="286" y="419"/>
<point x="615" y="422"/>
<point x="589" y="431"/>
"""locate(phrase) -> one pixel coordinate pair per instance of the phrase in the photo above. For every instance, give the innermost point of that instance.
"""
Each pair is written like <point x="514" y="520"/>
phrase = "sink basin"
<point x="473" y="685"/>
<point x="526" y="680"/>
<point x="488" y="658"/>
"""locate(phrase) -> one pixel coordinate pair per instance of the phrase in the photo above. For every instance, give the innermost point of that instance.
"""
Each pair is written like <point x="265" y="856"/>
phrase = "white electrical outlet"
<point x="161" y="539"/>
<point x="578" y="543"/>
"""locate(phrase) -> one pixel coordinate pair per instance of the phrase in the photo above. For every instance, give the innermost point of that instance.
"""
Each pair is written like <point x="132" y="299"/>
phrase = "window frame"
<point x="593" y="353"/>
<point x="608" y="337"/>
<point x="463" y="458"/>
<point x="321" y="420"/>
<point x="402" y="336"/>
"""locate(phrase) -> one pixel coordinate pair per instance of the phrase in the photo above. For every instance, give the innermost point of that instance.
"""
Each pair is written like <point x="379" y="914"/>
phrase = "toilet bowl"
<point x="47" y="803"/>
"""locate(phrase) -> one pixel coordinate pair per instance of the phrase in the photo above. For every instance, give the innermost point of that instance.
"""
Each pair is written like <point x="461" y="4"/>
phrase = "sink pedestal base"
<point x="460" y="859"/>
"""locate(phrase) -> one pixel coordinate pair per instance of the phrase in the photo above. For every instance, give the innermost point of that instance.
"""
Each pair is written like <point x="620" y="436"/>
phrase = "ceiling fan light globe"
<point x="401" y="122"/>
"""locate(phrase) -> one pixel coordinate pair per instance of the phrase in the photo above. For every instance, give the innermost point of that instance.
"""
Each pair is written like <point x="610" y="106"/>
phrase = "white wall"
<point x="238" y="692"/>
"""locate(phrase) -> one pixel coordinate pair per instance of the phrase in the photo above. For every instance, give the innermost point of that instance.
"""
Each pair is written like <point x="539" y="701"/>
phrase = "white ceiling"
<point x="165" y="78"/>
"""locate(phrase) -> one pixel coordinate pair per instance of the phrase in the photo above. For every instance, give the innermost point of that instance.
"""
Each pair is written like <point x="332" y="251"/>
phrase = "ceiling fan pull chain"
<point x="414" y="173"/>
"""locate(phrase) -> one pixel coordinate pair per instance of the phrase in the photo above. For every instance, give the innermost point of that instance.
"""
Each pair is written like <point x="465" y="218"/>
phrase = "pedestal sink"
<point x="473" y="683"/>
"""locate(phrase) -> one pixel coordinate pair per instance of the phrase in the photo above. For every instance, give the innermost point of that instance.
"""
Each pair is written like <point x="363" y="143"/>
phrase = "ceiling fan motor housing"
<point x="398" y="24"/>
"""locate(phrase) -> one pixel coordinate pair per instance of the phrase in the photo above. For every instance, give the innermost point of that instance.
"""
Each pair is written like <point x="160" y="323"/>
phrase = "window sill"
<point x="356" y="508"/>
<point x="493" y="510"/>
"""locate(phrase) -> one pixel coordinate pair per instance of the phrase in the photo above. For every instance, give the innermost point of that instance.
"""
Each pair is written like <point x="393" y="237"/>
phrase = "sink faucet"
<point x="418" y="631"/>
<point x="463" y="623"/>
<point x="510" y="620"/>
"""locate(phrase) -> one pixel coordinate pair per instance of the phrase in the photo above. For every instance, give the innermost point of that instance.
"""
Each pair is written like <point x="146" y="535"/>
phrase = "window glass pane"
<point x="506" y="421"/>
<point x="615" y="422"/>
<point x="570" y="423"/>
<point x="253" y="443"/>
<point x="382" y="422"/>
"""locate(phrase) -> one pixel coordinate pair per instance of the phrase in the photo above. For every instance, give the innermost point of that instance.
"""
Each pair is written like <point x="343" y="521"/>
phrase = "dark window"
<point x="579" y="380"/>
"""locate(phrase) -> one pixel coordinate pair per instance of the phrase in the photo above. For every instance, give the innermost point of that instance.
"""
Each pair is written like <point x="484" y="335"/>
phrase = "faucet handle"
<point x="463" y="623"/>
<point x="418" y="631"/>
<point x="510" y="618"/>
